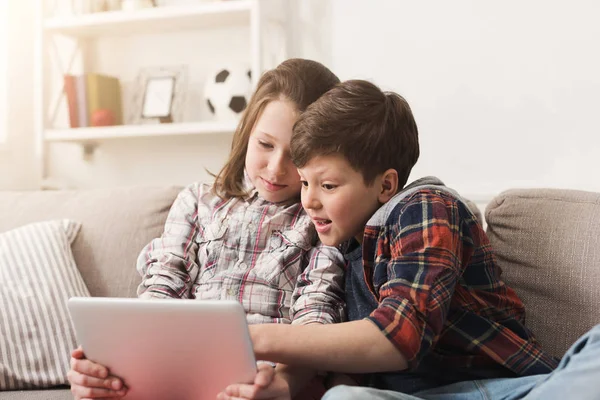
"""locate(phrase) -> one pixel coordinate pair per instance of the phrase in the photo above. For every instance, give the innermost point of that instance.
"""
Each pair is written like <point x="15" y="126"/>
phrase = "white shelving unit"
<point x="259" y="15"/>
<point x="161" y="19"/>
<point x="129" y="131"/>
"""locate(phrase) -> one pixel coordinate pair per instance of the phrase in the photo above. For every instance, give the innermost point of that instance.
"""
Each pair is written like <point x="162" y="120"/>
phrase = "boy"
<point x="428" y="313"/>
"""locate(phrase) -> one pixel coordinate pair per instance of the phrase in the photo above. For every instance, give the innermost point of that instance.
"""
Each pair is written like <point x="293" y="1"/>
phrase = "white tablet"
<point x="166" y="349"/>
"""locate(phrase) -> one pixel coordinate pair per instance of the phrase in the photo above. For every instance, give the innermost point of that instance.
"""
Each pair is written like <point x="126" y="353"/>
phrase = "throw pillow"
<point x="37" y="277"/>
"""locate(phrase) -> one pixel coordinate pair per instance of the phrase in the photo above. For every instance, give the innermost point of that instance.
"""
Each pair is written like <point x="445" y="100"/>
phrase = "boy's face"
<point x="337" y="199"/>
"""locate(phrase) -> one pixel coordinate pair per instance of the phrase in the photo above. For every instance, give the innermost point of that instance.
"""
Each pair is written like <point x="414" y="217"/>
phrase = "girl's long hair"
<point x="297" y="80"/>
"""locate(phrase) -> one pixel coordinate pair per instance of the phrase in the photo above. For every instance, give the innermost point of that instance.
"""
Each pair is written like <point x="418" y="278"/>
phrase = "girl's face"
<point x="268" y="161"/>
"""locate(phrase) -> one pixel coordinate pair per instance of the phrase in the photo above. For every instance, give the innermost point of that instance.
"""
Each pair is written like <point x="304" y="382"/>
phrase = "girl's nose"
<point x="277" y="165"/>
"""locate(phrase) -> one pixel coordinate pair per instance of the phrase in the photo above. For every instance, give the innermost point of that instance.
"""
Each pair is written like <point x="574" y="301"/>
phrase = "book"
<point x="81" y="96"/>
<point x="103" y="92"/>
<point x="71" y="94"/>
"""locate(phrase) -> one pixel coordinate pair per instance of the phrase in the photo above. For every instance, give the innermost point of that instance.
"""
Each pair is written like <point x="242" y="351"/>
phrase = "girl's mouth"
<point x="272" y="187"/>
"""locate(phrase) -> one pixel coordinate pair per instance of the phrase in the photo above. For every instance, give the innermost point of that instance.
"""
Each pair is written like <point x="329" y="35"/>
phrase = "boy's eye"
<point x="265" y="144"/>
<point x="304" y="183"/>
<point x="328" y="186"/>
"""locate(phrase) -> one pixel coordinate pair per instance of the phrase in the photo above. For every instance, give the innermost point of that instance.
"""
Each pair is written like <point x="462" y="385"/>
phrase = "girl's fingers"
<point x="82" y="392"/>
<point x="90" y="381"/>
<point x="89" y="368"/>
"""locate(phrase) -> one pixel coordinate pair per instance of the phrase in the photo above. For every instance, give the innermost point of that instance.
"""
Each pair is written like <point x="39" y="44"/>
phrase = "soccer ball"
<point x="227" y="92"/>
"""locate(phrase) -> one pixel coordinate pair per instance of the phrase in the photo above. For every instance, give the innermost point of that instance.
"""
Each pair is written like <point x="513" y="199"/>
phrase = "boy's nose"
<point x="309" y="200"/>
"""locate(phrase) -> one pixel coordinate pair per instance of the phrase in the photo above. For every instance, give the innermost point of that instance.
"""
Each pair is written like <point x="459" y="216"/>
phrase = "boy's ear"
<point x="389" y="185"/>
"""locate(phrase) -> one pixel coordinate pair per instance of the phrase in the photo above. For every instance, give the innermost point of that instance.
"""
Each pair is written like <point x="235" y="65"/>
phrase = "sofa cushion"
<point x="48" y="394"/>
<point x="116" y="224"/>
<point x="547" y="242"/>
<point x="37" y="276"/>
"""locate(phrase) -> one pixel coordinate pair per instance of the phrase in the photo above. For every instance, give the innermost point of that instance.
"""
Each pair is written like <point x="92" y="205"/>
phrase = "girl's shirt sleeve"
<point x="318" y="296"/>
<point x="168" y="264"/>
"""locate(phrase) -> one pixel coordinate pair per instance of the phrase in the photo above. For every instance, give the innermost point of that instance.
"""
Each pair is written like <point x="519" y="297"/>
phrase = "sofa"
<point x="547" y="242"/>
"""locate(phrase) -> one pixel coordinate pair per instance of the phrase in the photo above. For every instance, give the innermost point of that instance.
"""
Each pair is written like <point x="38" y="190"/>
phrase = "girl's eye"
<point x="265" y="144"/>
<point x="304" y="183"/>
<point x="328" y="186"/>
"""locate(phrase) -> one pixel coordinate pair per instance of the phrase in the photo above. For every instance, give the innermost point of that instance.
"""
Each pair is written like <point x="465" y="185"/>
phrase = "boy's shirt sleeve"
<point x="417" y="265"/>
<point x="168" y="264"/>
<point x="318" y="296"/>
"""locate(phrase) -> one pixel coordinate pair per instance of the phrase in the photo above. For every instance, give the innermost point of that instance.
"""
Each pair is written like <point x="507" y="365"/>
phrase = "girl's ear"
<point x="389" y="185"/>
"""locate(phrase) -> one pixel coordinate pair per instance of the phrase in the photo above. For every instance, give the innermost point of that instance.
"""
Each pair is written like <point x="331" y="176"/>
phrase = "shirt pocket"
<point x="284" y="258"/>
<point x="210" y="247"/>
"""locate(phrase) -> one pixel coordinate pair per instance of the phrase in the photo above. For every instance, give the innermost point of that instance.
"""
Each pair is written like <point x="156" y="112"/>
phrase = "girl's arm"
<point x="319" y="293"/>
<point x="168" y="264"/>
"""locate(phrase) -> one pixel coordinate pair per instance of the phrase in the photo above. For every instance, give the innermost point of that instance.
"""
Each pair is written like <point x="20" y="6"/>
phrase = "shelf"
<point x="83" y="135"/>
<point x="151" y="20"/>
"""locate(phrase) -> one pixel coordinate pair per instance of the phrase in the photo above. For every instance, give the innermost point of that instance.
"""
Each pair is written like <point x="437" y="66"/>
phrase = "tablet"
<point x="166" y="349"/>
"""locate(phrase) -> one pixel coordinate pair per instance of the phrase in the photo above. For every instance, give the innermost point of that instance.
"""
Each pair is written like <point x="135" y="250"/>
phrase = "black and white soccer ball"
<point x="227" y="91"/>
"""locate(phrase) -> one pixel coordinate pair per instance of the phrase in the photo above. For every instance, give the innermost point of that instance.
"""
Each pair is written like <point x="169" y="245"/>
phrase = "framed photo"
<point x="157" y="95"/>
<point x="158" y="98"/>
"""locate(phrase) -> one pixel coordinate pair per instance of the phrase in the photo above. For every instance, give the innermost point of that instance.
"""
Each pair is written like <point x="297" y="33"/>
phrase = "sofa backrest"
<point x="547" y="242"/>
<point x="116" y="224"/>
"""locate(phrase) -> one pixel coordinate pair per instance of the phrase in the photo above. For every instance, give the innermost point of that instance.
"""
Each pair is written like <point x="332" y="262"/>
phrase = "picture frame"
<point x="158" y="98"/>
<point x="141" y="109"/>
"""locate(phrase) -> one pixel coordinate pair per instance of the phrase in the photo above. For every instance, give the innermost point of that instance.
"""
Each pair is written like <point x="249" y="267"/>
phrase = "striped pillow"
<point x="37" y="277"/>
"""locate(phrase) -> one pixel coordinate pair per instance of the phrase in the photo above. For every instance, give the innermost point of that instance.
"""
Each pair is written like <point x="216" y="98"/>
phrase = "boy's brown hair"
<point x="373" y="130"/>
<point x="297" y="80"/>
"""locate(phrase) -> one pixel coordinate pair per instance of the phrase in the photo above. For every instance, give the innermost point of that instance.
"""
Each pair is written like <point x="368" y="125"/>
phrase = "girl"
<point x="246" y="237"/>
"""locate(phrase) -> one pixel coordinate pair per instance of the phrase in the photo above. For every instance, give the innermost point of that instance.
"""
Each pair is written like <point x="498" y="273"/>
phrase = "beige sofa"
<point x="547" y="242"/>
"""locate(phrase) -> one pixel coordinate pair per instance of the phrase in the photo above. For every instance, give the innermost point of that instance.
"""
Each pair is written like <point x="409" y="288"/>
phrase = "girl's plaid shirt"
<point x="264" y="255"/>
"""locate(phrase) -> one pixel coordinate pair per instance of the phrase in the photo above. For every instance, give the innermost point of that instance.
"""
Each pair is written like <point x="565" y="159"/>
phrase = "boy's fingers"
<point x="90" y="368"/>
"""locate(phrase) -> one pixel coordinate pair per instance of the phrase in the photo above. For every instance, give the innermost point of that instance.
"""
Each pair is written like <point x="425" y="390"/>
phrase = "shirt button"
<point x="231" y="292"/>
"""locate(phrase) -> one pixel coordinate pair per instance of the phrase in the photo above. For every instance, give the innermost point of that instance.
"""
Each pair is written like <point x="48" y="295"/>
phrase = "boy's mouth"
<point x="322" y="225"/>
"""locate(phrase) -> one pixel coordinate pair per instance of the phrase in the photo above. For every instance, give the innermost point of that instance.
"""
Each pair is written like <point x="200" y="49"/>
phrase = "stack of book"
<point x="93" y="100"/>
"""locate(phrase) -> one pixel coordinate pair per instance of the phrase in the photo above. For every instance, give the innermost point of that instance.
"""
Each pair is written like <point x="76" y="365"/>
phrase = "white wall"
<point x="505" y="93"/>
<point x="17" y="161"/>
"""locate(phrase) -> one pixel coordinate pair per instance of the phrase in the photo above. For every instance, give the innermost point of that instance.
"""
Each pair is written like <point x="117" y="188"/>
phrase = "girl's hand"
<point x="267" y="385"/>
<point x="90" y="380"/>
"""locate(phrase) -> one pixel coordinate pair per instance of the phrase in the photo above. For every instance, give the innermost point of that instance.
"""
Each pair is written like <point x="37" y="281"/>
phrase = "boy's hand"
<point x="267" y="385"/>
<point x="90" y="380"/>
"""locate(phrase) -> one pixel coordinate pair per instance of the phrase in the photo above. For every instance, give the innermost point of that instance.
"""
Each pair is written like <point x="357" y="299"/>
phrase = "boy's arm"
<point x="350" y="347"/>
<point x="168" y="264"/>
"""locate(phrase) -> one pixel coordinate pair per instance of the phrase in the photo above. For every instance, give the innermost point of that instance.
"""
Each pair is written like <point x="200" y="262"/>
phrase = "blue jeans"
<point x="577" y="377"/>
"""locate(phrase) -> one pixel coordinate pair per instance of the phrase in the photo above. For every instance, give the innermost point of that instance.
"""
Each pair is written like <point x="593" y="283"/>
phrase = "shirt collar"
<point x="249" y="188"/>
